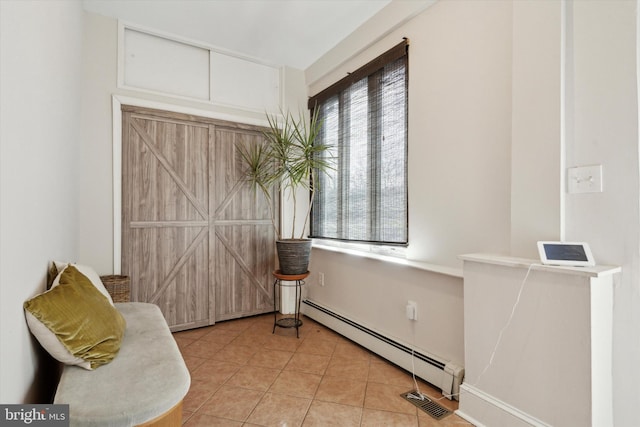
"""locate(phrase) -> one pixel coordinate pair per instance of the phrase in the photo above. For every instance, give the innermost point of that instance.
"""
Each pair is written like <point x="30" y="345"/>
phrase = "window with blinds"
<point x="364" y="120"/>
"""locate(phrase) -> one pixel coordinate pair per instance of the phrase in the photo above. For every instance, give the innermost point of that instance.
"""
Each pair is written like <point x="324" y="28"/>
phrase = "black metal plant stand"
<point x="289" y="321"/>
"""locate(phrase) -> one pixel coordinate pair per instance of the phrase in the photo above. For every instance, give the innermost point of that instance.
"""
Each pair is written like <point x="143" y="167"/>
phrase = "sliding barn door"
<point x="196" y="241"/>
<point x="243" y="236"/>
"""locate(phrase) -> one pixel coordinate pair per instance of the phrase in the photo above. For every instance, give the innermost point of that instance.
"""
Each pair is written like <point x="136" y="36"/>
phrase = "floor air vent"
<point x="427" y="405"/>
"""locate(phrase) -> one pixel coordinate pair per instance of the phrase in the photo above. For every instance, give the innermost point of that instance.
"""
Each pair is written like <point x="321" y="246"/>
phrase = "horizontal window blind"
<point x="364" y="120"/>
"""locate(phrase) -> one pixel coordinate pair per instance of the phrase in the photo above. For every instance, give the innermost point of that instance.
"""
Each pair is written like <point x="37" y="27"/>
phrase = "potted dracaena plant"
<point x="287" y="160"/>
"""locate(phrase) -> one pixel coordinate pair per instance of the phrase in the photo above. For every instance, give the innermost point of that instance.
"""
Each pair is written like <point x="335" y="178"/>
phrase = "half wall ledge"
<point x="531" y="328"/>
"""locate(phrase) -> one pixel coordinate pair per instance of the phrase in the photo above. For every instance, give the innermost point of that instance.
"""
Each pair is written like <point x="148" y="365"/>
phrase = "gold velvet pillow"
<point x="86" y="271"/>
<point x="80" y="318"/>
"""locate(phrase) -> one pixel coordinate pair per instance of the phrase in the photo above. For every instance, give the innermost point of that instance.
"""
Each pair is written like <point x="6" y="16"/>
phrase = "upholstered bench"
<point x="143" y="385"/>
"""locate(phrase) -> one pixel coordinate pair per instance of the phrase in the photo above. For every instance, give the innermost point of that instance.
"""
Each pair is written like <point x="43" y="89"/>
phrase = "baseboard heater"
<point x="432" y="369"/>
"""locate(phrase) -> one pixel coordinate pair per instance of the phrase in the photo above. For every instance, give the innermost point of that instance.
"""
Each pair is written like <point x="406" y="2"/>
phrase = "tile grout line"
<point x="259" y="328"/>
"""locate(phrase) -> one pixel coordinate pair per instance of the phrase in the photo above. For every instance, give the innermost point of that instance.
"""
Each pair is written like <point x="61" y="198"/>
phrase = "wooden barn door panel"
<point x="242" y="232"/>
<point x="165" y="217"/>
<point x="196" y="241"/>
<point x="168" y="271"/>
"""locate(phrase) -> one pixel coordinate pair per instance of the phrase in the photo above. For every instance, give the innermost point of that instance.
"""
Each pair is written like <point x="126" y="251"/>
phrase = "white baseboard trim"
<point x="482" y="409"/>
<point x="469" y="419"/>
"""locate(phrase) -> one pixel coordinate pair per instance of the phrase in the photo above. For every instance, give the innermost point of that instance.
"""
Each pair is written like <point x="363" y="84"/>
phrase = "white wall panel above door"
<point x="171" y="66"/>
<point x="162" y="65"/>
<point x="239" y="82"/>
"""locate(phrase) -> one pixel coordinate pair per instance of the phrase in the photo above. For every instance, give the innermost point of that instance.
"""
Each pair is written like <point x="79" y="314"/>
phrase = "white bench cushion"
<point x="146" y="379"/>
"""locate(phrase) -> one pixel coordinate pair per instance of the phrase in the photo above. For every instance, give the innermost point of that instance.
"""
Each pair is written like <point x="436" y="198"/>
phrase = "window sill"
<point x="434" y="268"/>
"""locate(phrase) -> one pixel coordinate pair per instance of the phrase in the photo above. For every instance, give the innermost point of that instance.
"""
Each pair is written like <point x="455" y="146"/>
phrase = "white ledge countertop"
<point x="434" y="268"/>
<point x="509" y="261"/>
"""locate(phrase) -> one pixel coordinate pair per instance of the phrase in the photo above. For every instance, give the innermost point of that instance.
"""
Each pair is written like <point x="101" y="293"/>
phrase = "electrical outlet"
<point x="321" y="279"/>
<point x="412" y="310"/>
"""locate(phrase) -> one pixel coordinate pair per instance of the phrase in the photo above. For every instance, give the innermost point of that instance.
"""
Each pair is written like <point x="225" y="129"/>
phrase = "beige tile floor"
<point x="243" y="375"/>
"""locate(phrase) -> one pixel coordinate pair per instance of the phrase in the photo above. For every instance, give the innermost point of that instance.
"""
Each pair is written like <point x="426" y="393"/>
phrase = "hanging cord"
<point x="506" y="325"/>
<point x="417" y="395"/>
<point x="420" y="396"/>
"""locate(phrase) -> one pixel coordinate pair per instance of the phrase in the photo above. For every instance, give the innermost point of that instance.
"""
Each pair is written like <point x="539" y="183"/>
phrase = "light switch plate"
<point x="585" y="179"/>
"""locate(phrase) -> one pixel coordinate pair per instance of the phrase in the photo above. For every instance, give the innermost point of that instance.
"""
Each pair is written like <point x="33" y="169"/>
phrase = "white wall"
<point x="459" y="171"/>
<point x="57" y="163"/>
<point x="603" y="129"/>
<point x="511" y="372"/>
<point x="41" y="46"/>
<point x="460" y="167"/>
<point x="459" y="123"/>
<point x="96" y="229"/>
<point x="375" y="294"/>
<point x="95" y="217"/>
<point x="503" y="97"/>
<point x="537" y="141"/>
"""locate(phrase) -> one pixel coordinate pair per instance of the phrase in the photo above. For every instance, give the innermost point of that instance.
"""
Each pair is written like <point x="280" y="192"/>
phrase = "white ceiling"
<point x="282" y="32"/>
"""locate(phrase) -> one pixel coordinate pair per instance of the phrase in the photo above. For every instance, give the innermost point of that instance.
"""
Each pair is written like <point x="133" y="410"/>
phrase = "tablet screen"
<point x="576" y="254"/>
<point x="565" y="252"/>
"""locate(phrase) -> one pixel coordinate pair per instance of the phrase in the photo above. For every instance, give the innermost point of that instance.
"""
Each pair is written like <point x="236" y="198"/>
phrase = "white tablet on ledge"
<point x="568" y="254"/>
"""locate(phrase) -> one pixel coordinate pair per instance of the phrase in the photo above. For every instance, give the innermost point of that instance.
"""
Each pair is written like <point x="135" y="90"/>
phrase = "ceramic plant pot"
<point x="294" y="255"/>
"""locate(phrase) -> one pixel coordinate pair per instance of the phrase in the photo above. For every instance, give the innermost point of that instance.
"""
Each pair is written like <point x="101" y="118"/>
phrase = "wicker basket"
<point x="118" y="287"/>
